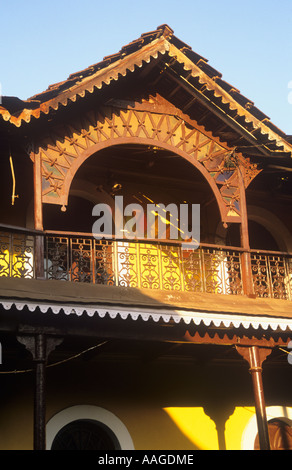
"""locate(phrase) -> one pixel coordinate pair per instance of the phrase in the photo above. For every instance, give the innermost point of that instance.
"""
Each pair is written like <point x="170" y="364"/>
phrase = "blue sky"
<point x="249" y="42"/>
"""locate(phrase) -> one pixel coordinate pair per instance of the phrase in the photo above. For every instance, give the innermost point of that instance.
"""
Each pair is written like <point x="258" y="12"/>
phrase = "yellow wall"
<point x="150" y="427"/>
<point x="201" y="430"/>
<point x="163" y="408"/>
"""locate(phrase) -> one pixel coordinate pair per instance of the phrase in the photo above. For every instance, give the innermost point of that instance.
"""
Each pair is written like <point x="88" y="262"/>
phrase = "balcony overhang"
<point x="157" y="315"/>
<point x="79" y="300"/>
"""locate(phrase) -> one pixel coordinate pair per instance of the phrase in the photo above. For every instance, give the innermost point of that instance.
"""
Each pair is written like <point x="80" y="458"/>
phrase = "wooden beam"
<point x="139" y="330"/>
<point x="213" y="108"/>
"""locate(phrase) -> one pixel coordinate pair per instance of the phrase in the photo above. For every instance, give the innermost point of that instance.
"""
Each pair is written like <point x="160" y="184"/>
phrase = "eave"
<point x="98" y="301"/>
<point x="207" y="319"/>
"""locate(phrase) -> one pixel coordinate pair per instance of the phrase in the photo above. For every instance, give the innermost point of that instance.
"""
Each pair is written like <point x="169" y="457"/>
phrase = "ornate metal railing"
<point x="17" y="254"/>
<point x="143" y="264"/>
<point x="272" y="274"/>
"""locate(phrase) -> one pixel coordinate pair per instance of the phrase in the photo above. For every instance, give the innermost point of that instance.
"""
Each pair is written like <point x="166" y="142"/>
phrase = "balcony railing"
<point x="144" y="264"/>
<point x="17" y="254"/>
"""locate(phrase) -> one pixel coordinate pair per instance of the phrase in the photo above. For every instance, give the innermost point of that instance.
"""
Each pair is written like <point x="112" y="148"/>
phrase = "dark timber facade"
<point x="138" y="328"/>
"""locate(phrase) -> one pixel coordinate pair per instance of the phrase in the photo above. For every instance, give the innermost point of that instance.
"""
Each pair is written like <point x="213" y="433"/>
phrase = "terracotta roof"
<point x="137" y="54"/>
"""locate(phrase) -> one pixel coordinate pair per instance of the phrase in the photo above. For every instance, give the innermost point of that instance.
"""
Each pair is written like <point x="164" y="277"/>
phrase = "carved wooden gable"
<point x="154" y="122"/>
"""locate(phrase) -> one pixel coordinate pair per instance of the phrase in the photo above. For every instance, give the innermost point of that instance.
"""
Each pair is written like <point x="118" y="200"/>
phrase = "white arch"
<point x="73" y="413"/>
<point x="283" y="413"/>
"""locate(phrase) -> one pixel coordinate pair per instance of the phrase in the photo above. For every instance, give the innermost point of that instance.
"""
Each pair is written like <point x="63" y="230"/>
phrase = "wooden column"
<point x="39" y="393"/>
<point x="38" y="212"/>
<point x="244" y="236"/>
<point x="38" y="217"/>
<point x="40" y="347"/>
<point x="255" y="356"/>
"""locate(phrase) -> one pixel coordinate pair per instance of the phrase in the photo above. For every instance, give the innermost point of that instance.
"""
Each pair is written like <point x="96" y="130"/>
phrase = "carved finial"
<point x="166" y="30"/>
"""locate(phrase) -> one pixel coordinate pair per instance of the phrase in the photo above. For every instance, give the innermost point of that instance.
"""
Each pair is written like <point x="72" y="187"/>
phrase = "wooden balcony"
<point x="166" y="266"/>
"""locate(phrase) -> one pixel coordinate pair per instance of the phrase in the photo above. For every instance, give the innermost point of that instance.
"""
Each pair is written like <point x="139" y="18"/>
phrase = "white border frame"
<point x="66" y="416"/>
<point x="283" y="413"/>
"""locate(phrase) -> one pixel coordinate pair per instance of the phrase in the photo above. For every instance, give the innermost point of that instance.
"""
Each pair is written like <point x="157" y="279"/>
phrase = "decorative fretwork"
<point x="212" y="270"/>
<point x="192" y="270"/>
<point x="16" y="255"/>
<point x="103" y="262"/>
<point x="63" y="152"/>
<point x="150" y="273"/>
<point x="272" y="275"/>
<point x="171" y="268"/>
<point x="146" y="265"/>
<point x="81" y="268"/>
<point x="222" y="271"/>
<point x="143" y="265"/>
<point x="57" y="258"/>
<point x="126" y="265"/>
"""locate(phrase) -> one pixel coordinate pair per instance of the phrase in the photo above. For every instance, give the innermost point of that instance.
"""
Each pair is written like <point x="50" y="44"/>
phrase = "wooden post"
<point x="40" y="347"/>
<point x="39" y="257"/>
<point x="38" y="218"/>
<point x="255" y="357"/>
<point x="39" y="393"/>
<point x="244" y="236"/>
<point x="38" y="213"/>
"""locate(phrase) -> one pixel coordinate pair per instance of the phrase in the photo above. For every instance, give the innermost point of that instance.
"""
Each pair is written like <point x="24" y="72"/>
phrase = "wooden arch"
<point x="152" y="122"/>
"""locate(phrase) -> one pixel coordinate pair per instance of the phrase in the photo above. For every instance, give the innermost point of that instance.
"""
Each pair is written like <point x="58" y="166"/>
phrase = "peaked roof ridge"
<point x="133" y="46"/>
<point x="133" y="55"/>
<point x="146" y="38"/>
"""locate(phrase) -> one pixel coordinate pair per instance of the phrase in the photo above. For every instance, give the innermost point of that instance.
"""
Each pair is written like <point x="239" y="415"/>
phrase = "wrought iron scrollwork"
<point x="57" y="258"/>
<point x="146" y="265"/>
<point x="16" y="255"/>
<point x="272" y="275"/>
<point x="103" y="256"/>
